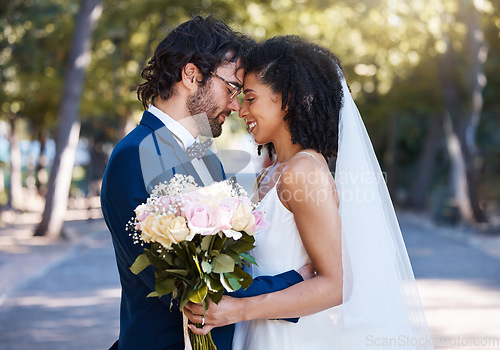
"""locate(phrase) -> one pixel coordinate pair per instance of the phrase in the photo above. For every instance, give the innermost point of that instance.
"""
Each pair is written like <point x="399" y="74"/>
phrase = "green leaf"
<point x="156" y="260"/>
<point x="218" y="243"/>
<point x="214" y="252"/>
<point x="222" y="263"/>
<point x="178" y="271"/>
<point x="243" y="245"/>
<point x="140" y="264"/>
<point x="205" y="242"/>
<point x="216" y="297"/>
<point x="233" y="281"/>
<point x="226" y="284"/>
<point x="162" y="275"/>
<point x="249" y="258"/>
<point x="198" y="295"/>
<point x="235" y="256"/>
<point x="153" y="294"/>
<point x="206" y="267"/>
<point x="213" y="283"/>
<point x="181" y="254"/>
<point x="169" y="258"/>
<point x="244" y="278"/>
<point x="165" y="286"/>
<point x="184" y="299"/>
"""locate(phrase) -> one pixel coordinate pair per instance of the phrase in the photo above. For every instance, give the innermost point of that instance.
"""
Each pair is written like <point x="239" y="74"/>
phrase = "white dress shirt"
<point x="185" y="139"/>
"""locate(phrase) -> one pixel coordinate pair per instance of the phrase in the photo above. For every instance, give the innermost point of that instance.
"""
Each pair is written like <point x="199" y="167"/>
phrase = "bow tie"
<point x="198" y="149"/>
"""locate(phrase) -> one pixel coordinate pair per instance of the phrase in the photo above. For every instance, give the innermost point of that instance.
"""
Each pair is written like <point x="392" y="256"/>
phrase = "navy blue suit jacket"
<point x="147" y="155"/>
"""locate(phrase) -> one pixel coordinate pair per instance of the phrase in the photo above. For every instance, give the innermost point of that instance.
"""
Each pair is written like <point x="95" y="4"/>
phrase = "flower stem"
<point x="201" y="342"/>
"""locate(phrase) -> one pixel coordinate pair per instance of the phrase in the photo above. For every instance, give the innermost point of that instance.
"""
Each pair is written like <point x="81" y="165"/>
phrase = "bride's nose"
<point x="243" y="112"/>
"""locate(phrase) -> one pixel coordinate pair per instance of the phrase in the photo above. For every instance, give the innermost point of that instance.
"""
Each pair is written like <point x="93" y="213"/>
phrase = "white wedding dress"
<point x="279" y="249"/>
<point x="380" y="306"/>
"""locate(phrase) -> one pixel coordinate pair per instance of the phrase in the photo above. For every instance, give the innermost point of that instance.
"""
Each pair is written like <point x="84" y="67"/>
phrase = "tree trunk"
<point x="2" y="179"/>
<point x="463" y="100"/>
<point x="475" y="81"/>
<point x="458" y="174"/>
<point x="69" y="125"/>
<point x="15" y="199"/>
<point x="42" y="176"/>
<point x="97" y="166"/>
<point x="423" y="176"/>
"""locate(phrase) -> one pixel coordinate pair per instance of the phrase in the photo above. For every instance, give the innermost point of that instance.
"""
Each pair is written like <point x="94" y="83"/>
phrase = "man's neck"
<point x="176" y="109"/>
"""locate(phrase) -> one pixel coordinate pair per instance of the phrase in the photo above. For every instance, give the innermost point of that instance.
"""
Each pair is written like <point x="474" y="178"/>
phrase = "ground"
<point x="66" y="294"/>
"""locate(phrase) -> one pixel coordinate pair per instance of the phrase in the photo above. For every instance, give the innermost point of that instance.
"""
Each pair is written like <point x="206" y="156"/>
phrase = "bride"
<point x="362" y="293"/>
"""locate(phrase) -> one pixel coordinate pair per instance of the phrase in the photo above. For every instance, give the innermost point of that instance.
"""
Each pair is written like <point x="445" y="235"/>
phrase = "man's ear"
<point x="190" y="76"/>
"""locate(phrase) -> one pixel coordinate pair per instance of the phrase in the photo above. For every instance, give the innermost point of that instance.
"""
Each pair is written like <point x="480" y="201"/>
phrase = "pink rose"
<point x="193" y="196"/>
<point x="223" y="216"/>
<point x="199" y="216"/>
<point x="260" y="222"/>
<point x="142" y="216"/>
<point x="186" y="198"/>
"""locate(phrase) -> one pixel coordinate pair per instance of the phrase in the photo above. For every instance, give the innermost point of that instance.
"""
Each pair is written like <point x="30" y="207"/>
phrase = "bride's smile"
<point x="261" y="109"/>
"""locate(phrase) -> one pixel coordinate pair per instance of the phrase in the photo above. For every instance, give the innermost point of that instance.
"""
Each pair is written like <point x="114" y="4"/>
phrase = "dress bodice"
<point x="278" y="248"/>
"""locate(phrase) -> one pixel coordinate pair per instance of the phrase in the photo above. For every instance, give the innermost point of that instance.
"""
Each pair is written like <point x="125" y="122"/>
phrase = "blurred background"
<point x="424" y="74"/>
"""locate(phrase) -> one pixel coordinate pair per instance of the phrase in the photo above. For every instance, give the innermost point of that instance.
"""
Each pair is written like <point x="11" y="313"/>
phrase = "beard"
<point x="204" y="110"/>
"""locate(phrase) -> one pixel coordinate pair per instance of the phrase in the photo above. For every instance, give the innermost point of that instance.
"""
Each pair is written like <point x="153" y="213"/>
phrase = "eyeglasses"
<point x="237" y="90"/>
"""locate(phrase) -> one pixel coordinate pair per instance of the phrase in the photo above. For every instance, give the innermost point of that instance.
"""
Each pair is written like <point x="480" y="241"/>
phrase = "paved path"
<point x="66" y="295"/>
<point x="69" y="297"/>
<point x="458" y="276"/>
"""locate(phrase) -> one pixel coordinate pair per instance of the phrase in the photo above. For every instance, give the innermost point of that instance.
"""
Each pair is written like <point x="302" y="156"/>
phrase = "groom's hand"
<point x="217" y="315"/>
<point x="307" y="272"/>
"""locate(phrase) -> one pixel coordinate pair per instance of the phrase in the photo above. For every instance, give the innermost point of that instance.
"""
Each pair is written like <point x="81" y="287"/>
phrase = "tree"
<point x="462" y="80"/>
<point x="69" y="125"/>
<point x="15" y="184"/>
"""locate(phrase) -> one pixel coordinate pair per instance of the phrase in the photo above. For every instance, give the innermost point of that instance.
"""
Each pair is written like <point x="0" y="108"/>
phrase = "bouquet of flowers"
<point x="199" y="241"/>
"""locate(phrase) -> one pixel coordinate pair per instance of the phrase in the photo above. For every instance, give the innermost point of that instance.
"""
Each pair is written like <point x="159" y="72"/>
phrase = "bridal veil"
<point x="381" y="306"/>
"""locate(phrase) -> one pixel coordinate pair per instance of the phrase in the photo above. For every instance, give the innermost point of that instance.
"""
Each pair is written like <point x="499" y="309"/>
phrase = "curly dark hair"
<point x="308" y="76"/>
<point x="205" y="42"/>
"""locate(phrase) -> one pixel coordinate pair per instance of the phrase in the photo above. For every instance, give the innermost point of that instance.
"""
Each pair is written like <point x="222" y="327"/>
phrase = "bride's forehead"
<point x="251" y="80"/>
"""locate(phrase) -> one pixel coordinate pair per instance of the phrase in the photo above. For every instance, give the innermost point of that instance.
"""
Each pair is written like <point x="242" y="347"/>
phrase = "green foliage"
<point x="206" y="266"/>
<point x="140" y="264"/>
<point x="34" y="48"/>
<point x="388" y="50"/>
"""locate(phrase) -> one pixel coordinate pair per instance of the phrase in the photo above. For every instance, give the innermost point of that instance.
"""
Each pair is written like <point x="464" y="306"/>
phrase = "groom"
<point x="192" y="84"/>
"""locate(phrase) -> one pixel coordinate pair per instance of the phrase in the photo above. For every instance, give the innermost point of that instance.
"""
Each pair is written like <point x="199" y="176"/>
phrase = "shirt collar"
<point x="179" y="131"/>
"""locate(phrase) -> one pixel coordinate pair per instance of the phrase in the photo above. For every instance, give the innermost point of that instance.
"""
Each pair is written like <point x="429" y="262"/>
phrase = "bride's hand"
<point x="217" y="315"/>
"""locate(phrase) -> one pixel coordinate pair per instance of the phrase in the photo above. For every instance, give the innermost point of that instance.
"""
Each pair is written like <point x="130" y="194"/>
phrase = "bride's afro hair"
<point x="308" y="77"/>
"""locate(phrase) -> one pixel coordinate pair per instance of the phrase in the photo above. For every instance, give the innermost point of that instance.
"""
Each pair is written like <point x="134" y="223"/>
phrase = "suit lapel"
<point x="167" y="146"/>
<point x="214" y="166"/>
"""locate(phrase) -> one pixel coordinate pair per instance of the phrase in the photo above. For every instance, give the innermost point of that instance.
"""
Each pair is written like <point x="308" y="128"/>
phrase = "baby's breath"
<point x="177" y="185"/>
<point x="236" y="189"/>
